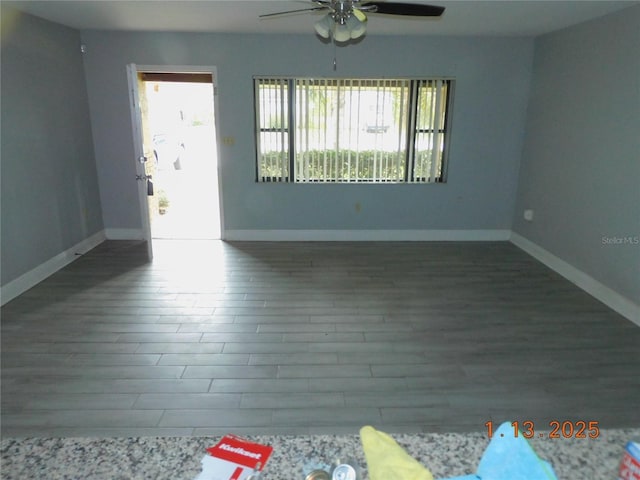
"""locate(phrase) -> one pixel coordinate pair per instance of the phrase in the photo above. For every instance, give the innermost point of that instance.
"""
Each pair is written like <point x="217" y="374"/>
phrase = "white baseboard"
<point x="609" y="297"/>
<point x="31" y="278"/>
<point x="124" y="233"/>
<point x="365" y="235"/>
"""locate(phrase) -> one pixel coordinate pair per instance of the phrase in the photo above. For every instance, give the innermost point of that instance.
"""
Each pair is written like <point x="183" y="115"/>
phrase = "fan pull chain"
<point x="335" y="55"/>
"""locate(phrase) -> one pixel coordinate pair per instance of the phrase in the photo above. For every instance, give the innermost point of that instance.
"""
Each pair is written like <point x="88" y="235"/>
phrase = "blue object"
<point x="510" y="457"/>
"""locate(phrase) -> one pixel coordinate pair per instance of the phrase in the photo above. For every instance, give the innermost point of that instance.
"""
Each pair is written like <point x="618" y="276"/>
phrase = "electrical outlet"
<point x="528" y="215"/>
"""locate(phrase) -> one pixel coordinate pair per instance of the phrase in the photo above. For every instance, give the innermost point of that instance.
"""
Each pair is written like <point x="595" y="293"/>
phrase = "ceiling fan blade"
<point x="293" y="11"/>
<point x="409" y="9"/>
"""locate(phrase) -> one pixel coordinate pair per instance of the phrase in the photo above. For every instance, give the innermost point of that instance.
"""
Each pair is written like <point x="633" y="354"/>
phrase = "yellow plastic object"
<point x="386" y="460"/>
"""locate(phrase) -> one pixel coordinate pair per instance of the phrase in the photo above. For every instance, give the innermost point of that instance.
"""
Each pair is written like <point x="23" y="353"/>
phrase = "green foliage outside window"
<point x="346" y="165"/>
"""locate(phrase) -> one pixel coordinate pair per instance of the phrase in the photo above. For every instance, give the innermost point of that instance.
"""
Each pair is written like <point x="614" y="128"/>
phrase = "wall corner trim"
<point x="31" y="278"/>
<point x="606" y="295"/>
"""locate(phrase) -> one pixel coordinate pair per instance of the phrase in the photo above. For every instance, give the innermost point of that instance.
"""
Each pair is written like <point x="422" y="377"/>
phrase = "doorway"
<point x="179" y="140"/>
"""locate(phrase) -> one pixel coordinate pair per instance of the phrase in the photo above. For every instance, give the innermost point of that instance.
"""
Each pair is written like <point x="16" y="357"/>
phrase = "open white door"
<point x="142" y="178"/>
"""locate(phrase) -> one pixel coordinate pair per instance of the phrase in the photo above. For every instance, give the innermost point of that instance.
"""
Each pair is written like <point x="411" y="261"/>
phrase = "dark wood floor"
<point x="277" y="338"/>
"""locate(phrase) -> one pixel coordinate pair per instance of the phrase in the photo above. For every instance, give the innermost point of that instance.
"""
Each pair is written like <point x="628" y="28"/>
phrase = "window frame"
<point x="412" y="129"/>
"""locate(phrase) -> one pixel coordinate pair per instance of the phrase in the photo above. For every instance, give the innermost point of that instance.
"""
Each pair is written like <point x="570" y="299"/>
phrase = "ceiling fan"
<point x="346" y="19"/>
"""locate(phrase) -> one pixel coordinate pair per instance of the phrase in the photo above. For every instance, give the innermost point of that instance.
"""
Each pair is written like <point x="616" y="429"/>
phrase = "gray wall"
<point x="50" y="198"/>
<point x="581" y="161"/>
<point x="491" y="95"/>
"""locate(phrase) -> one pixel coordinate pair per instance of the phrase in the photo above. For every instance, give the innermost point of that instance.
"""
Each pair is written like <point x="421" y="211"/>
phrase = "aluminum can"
<point x="344" y="471"/>
<point x="318" y="475"/>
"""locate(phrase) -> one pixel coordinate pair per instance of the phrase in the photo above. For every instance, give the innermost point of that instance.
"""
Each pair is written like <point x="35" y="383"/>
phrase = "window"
<point x="352" y="130"/>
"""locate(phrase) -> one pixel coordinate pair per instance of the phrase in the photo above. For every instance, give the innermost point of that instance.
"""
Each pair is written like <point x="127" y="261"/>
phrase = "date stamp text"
<point x="554" y="429"/>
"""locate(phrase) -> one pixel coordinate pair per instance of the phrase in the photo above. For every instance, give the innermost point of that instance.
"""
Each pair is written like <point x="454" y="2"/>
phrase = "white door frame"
<point x="138" y="152"/>
<point x="136" y="119"/>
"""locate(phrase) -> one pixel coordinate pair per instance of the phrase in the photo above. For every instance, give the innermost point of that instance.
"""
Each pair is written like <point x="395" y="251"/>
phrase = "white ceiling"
<point x="470" y="17"/>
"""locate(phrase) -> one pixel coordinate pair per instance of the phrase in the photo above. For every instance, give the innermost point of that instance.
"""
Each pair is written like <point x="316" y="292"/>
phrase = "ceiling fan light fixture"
<point x="342" y="33"/>
<point x="347" y="19"/>
<point x="357" y="28"/>
<point x="359" y="14"/>
<point x="324" y="26"/>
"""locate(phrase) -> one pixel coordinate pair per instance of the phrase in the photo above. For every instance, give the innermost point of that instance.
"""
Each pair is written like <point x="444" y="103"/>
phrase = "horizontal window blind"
<point x="311" y="130"/>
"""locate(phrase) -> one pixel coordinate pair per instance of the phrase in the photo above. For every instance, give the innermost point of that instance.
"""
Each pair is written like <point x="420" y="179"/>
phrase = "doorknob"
<point x="142" y="159"/>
